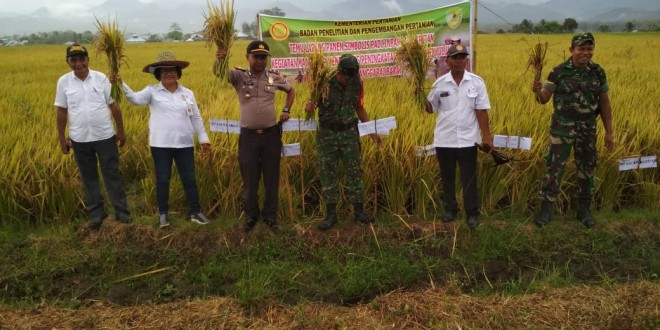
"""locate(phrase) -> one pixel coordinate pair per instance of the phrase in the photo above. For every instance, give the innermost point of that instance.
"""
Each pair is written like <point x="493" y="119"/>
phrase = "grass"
<point x="139" y="264"/>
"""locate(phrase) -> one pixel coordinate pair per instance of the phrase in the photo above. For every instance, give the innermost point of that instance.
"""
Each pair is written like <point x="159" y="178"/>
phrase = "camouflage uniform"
<point x="338" y="139"/>
<point x="576" y="101"/>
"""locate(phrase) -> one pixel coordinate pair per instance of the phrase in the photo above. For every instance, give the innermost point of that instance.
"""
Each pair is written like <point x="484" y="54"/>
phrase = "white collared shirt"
<point x="175" y="117"/>
<point x="87" y="103"/>
<point x="456" y="124"/>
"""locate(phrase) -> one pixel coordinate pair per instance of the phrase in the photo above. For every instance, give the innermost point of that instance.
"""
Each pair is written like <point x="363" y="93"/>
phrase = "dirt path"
<point x="629" y="306"/>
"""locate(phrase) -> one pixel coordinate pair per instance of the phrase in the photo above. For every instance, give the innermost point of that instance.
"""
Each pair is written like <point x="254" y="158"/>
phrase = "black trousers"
<point x="467" y="162"/>
<point x="259" y="153"/>
<point x="89" y="155"/>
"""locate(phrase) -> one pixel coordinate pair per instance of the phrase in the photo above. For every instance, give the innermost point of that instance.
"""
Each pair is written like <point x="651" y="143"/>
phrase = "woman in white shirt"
<point x="174" y="121"/>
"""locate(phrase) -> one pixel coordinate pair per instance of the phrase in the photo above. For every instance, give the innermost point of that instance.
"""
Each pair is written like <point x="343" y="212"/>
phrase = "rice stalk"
<point x="219" y="31"/>
<point x="110" y="41"/>
<point x="318" y="76"/>
<point x="537" y="59"/>
<point x="413" y="57"/>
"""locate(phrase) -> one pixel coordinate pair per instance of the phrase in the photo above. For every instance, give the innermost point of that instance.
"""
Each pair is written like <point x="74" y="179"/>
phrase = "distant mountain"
<point x="156" y="17"/>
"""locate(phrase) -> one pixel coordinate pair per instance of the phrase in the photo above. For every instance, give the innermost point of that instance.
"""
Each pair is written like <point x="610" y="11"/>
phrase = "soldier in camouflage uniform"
<point x="338" y="139"/>
<point x="580" y="94"/>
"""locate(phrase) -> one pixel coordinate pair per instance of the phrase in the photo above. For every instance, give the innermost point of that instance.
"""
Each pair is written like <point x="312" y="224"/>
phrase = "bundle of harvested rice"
<point x="110" y="41"/>
<point x="219" y="31"/>
<point x="537" y="59"/>
<point x="413" y="57"/>
<point x="318" y="75"/>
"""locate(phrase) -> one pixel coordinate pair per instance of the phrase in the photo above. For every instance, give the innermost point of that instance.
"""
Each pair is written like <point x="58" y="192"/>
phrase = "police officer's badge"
<point x="454" y="17"/>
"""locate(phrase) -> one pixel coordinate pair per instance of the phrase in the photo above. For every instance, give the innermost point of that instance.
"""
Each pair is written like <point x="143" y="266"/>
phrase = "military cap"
<point x="348" y="61"/>
<point x="581" y="38"/>
<point x="456" y="50"/>
<point x="258" y="47"/>
<point x="75" y="49"/>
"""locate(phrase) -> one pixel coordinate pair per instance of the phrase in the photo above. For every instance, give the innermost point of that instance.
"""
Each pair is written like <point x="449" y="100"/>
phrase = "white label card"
<point x="500" y="141"/>
<point x="525" y="143"/>
<point x="512" y="142"/>
<point x="380" y="126"/>
<point x="295" y="124"/>
<point x="292" y="149"/>
<point x="225" y="126"/>
<point x="648" y="162"/>
<point x="628" y="164"/>
<point x="428" y="150"/>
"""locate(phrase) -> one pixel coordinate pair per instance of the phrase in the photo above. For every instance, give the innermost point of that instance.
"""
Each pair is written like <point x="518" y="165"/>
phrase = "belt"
<point x="245" y="130"/>
<point x="338" y="127"/>
<point x="576" y="116"/>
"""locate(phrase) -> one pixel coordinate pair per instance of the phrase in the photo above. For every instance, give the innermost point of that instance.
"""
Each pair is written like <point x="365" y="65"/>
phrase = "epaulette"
<point x="240" y="69"/>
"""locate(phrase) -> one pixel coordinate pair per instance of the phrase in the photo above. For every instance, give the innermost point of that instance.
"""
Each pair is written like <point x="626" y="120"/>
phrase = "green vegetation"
<point x="136" y="264"/>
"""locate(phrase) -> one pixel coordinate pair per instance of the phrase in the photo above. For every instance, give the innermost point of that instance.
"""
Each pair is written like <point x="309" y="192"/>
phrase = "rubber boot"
<point x="545" y="214"/>
<point x="584" y="213"/>
<point x="361" y="215"/>
<point x="330" y="217"/>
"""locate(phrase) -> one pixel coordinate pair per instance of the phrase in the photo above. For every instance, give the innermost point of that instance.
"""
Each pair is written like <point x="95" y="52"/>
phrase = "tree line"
<point x="570" y="25"/>
<point x="250" y="30"/>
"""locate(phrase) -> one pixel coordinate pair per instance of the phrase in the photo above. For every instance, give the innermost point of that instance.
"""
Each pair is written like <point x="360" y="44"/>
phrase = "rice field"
<point x="38" y="184"/>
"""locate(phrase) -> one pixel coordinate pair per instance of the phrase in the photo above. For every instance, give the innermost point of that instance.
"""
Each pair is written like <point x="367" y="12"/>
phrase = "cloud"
<point x="71" y="10"/>
<point x="392" y="5"/>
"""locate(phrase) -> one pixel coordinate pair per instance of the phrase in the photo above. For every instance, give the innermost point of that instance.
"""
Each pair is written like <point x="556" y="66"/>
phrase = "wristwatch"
<point x="285" y="109"/>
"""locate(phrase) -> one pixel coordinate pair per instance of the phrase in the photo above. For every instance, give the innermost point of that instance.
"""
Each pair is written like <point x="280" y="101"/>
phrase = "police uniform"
<point x="260" y="141"/>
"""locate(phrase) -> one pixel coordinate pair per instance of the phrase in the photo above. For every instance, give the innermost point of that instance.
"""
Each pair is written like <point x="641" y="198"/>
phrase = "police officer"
<point x="580" y="90"/>
<point x="260" y="141"/>
<point x="338" y="139"/>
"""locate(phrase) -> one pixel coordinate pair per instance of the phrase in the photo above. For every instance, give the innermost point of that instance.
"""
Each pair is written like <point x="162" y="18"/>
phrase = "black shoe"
<point x="271" y="223"/>
<point x="329" y="222"/>
<point x="96" y="223"/>
<point x="250" y="222"/>
<point x="584" y="214"/>
<point x="124" y="219"/>
<point x="330" y="217"/>
<point x="473" y="221"/>
<point x="362" y="216"/>
<point x="449" y="216"/>
<point x="545" y="214"/>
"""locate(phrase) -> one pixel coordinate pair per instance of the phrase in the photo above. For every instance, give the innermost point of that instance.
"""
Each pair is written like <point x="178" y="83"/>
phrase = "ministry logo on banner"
<point x="454" y="17"/>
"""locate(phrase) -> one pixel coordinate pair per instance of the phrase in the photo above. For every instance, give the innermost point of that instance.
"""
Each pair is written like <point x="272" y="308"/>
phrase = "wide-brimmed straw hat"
<point x="165" y="59"/>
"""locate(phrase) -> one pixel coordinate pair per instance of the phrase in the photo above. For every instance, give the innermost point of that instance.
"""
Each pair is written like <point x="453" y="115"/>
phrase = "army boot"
<point x="545" y="214"/>
<point x="330" y="217"/>
<point x="584" y="213"/>
<point x="361" y="215"/>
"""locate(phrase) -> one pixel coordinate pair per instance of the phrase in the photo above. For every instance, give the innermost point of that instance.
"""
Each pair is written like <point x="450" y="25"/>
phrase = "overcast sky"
<point x="64" y="7"/>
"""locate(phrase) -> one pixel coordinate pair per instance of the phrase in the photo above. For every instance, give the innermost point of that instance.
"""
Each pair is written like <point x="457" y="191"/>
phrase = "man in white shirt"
<point x="82" y="101"/>
<point x="461" y="101"/>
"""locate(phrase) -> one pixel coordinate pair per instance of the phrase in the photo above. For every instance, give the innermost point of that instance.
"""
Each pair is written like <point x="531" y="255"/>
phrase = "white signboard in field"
<point x="297" y="124"/>
<point x="381" y="126"/>
<point x="424" y="151"/>
<point x="225" y="126"/>
<point x="292" y="149"/>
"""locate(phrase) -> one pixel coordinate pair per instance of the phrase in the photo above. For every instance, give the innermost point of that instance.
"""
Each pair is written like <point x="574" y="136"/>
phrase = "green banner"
<point x="372" y="41"/>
